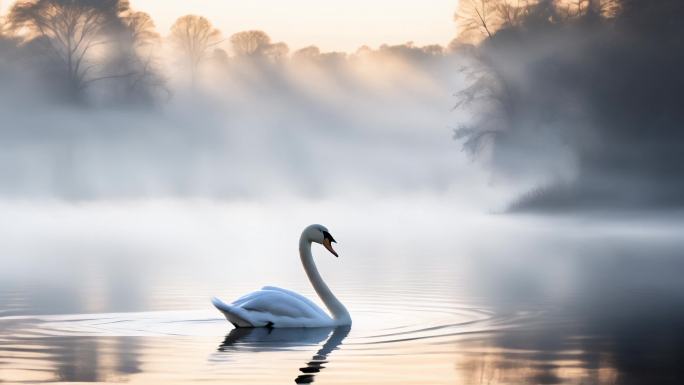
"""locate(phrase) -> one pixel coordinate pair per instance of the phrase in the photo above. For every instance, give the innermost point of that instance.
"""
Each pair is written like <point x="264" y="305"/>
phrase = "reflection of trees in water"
<point x="568" y="354"/>
<point x="529" y="357"/>
<point x="620" y="324"/>
<point x="82" y="359"/>
<point x="77" y="359"/>
<point x="86" y="359"/>
<point x="127" y="355"/>
<point x="73" y="289"/>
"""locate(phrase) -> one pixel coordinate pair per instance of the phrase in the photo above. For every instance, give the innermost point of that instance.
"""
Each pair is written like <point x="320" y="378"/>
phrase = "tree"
<point x="307" y="53"/>
<point x="71" y="31"/>
<point x="195" y="37"/>
<point x="588" y="8"/>
<point x="136" y="53"/>
<point x="250" y="43"/>
<point x="478" y="18"/>
<point x="493" y="99"/>
<point x="277" y="51"/>
<point x="140" y="29"/>
<point x="433" y="50"/>
<point x="512" y="12"/>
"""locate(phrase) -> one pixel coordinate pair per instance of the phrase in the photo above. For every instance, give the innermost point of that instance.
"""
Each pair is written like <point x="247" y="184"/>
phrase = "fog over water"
<point x="380" y="127"/>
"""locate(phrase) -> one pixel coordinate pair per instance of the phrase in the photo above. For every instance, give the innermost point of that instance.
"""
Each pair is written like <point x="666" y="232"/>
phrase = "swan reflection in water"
<point x="270" y="339"/>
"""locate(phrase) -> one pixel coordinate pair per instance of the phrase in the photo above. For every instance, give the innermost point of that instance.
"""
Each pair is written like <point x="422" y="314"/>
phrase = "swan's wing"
<point x="278" y="304"/>
<point x="260" y="300"/>
<point x="298" y="297"/>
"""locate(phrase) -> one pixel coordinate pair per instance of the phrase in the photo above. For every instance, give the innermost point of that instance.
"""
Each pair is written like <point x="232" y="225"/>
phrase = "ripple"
<point x="385" y="325"/>
<point x="377" y="320"/>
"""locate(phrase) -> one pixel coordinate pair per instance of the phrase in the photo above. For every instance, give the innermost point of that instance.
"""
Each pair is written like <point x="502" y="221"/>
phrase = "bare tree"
<point x="195" y="37"/>
<point x="249" y="43"/>
<point x="72" y="30"/>
<point x="493" y="98"/>
<point x="512" y="12"/>
<point x="480" y="18"/>
<point x="140" y="27"/>
<point x="591" y="8"/>
<point x="137" y="51"/>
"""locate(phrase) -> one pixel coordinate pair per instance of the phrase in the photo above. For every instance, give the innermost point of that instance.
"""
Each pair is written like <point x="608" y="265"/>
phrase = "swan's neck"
<point x="338" y="311"/>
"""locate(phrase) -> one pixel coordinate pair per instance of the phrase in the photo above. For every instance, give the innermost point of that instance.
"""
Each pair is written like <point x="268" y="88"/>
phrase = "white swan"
<point x="280" y="308"/>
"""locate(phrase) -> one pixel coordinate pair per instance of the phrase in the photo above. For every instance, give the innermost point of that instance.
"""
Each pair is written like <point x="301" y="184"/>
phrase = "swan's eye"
<point x="326" y="235"/>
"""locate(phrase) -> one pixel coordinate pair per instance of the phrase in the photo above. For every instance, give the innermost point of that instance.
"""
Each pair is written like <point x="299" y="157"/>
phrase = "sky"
<point x="332" y="25"/>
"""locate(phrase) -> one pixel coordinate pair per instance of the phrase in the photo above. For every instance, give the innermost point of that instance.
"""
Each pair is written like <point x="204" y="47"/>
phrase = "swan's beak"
<point x="328" y="245"/>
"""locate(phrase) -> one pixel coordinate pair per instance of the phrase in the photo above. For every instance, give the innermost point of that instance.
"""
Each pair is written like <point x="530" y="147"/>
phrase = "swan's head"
<point x="320" y="234"/>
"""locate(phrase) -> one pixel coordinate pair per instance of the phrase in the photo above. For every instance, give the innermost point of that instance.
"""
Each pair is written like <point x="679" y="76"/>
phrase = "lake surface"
<point x="119" y="293"/>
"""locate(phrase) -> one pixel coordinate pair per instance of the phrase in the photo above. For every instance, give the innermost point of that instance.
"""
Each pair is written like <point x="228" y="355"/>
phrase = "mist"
<point x="537" y="126"/>
<point x="582" y="101"/>
<point x="236" y="125"/>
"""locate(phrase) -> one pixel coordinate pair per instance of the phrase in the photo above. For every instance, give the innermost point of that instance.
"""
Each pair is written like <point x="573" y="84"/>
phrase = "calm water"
<point x="115" y="294"/>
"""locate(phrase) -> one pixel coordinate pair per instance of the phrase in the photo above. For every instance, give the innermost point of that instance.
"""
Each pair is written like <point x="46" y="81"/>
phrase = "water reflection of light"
<point x="473" y="300"/>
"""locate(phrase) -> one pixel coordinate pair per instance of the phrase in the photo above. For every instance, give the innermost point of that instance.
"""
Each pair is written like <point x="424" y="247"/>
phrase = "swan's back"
<point x="300" y="298"/>
<point x="274" y="307"/>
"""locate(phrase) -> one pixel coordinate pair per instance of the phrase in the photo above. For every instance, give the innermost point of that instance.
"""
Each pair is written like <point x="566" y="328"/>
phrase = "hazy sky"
<point x="342" y="25"/>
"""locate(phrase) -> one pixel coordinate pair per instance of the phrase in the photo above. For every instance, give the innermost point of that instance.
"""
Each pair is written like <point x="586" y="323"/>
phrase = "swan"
<point x="280" y="308"/>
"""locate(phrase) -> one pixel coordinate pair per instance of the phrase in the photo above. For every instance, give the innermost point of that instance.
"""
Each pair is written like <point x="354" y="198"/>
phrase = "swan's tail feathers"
<point x="233" y="314"/>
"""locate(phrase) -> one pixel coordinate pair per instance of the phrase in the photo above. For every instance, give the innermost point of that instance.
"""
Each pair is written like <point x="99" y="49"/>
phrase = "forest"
<point x="566" y="104"/>
<point x="104" y="52"/>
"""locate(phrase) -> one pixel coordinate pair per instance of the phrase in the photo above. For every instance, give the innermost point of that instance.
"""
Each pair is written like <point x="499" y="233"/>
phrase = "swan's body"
<point x="274" y="307"/>
<point x="281" y="308"/>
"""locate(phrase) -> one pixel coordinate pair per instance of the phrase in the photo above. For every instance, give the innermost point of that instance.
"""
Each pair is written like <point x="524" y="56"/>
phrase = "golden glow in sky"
<point x="342" y="25"/>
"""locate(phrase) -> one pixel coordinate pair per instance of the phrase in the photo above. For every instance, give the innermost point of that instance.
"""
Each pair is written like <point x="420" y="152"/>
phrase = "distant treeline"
<point x="72" y="49"/>
<point x="589" y="85"/>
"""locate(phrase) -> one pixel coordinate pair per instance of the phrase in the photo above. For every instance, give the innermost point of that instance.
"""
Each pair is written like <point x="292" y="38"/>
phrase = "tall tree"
<point x="137" y="44"/>
<point x="71" y="31"/>
<point x="478" y="19"/>
<point x="140" y="27"/>
<point x="277" y="51"/>
<point x="195" y="37"/>
<point x="588" y="8"/>
<point x="512" y="12"/>
<point x="250" y="43"/>
<point x="307" y="53"/>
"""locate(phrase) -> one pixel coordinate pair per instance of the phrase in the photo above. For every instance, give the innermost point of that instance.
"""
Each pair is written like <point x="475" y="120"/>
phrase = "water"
<point x="120" y="294"/>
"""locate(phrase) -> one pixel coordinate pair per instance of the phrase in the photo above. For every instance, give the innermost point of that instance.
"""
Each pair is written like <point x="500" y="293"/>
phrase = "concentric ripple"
<point x="391" y="327"/>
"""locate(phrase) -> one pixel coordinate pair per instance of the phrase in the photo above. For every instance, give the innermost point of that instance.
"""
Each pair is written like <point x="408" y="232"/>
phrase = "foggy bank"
<point x="585" y="100"/>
